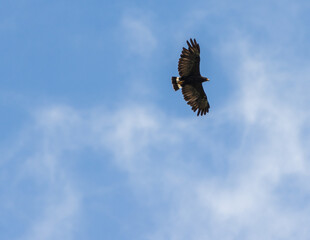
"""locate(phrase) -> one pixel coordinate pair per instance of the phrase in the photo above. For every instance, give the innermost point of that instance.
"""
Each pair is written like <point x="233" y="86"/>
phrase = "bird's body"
<point x="190" y="79"/>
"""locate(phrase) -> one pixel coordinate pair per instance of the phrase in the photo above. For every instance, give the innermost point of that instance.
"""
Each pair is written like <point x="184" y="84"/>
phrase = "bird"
<point x="190" y="80"/>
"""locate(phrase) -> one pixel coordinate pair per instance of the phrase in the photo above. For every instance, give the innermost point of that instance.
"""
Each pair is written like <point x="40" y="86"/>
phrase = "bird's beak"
<point x="207" y="79"/>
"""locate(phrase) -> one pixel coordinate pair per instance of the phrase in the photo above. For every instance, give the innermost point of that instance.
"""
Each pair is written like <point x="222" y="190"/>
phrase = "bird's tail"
<point x="176" y="83"/>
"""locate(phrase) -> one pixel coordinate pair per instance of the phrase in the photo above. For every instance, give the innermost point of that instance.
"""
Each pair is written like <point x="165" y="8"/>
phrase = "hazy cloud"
<point x="138" y="34"/>
<point x="245" y="202"/>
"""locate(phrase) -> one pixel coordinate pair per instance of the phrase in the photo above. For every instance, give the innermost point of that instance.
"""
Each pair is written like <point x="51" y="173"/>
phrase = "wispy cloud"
<point x="152" y="149"/>
<point x="58" y="217"/>
<point x="138" y="34"/>
<point x="43" y="195"/>
<point x="247" y="199"/>
<point x="200" y="181"/>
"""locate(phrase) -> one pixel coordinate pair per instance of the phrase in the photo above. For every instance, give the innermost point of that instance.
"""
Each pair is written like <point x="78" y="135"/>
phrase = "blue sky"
<point x="95" y="144"/>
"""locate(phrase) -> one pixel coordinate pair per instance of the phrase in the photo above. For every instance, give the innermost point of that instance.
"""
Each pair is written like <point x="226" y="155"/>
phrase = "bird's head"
<point x="206" y="79"/>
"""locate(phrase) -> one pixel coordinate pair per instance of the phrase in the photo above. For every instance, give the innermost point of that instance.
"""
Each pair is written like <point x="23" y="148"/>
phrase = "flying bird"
<point x="190" y="79"/>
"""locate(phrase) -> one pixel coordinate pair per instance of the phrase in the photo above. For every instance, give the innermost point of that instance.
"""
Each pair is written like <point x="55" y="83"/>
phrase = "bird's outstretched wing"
<point x="196" y="98"/>
<point x="189" y="60"/>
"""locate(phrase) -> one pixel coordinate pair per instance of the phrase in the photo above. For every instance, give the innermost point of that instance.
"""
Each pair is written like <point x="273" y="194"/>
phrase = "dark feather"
<point x="189" y="60"/>
<point x="196" y="98"/>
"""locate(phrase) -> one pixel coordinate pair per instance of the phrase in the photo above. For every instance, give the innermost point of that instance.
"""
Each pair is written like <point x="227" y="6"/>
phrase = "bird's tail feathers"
<point x="176" y="83"/>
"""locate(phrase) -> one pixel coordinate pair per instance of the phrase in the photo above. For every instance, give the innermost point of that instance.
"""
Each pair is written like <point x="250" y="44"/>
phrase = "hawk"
<point x="190" y="79"/>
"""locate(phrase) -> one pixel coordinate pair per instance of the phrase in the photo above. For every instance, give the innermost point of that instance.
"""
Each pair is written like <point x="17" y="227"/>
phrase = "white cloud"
<point x="38" y="186"/>
<point x="138" y="33"/>
<point x="167" y="160"/>
<point x="258" y="190"/>
<point x="58" y="219"/>
<point x="246" y="204"/>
